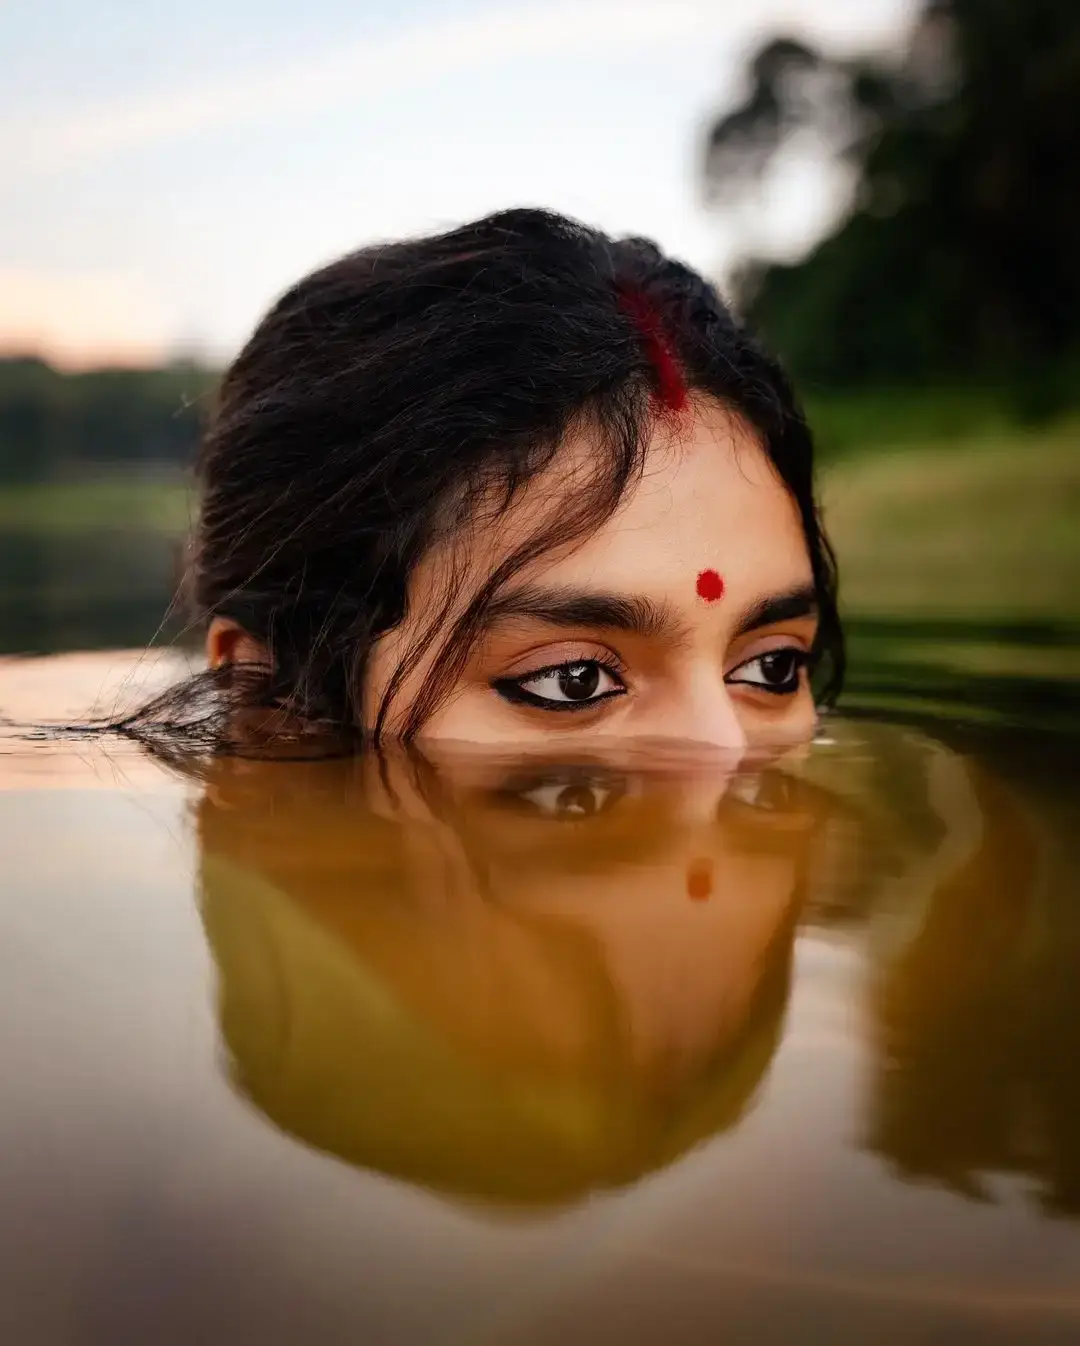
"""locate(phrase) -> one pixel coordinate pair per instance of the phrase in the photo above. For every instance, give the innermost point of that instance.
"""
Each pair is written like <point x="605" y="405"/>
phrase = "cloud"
<point x="398" y="60"/>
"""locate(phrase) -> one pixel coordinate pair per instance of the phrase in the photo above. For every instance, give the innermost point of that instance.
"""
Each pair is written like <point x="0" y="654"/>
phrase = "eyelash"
<point x="512" y="689"/>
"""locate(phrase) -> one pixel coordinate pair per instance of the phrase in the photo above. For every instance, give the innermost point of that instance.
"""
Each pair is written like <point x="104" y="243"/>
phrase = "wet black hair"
<point x="389" y="395"/>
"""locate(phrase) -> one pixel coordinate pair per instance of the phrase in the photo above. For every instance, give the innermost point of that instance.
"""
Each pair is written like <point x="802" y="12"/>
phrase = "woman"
<point x="514" y="483"/>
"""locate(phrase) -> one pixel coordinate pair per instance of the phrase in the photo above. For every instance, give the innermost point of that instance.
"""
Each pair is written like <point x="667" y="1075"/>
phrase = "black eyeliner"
<point x="510" y="689"/>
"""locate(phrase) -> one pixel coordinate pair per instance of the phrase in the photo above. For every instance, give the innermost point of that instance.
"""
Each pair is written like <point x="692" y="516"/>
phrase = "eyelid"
<point x="569" y="652"/>
<point x="768" y="643"/>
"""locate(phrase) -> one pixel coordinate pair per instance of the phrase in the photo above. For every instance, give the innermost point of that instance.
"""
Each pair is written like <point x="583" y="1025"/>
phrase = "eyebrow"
<point x="567" y="607"/>
<point x="636" y="614"/>
<point x="787" y="607"/>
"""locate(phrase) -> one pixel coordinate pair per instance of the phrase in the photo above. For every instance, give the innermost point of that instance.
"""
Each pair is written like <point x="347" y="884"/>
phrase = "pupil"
<point x="777" y="667"/>
<point x="580" y="682"/>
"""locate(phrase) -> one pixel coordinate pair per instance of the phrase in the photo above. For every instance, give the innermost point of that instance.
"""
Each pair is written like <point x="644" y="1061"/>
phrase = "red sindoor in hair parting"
<point x="671" y="392"/>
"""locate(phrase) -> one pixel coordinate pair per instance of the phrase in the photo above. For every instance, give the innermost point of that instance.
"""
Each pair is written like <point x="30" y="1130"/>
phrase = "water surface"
<point x="538" y="1050"/>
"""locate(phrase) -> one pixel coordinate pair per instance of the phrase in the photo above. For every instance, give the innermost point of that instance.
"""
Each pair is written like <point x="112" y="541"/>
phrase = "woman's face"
<point x="688" y="616"/>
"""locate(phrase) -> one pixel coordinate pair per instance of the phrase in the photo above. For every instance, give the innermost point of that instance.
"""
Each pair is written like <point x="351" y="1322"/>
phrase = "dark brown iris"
<point x="579" y="682"/>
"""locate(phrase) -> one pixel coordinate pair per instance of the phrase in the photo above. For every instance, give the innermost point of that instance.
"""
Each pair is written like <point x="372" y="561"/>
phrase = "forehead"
<point x="708" y="499"/>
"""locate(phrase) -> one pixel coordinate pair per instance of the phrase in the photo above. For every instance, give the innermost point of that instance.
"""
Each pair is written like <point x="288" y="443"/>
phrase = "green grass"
<point x="107" y="504"/>
<point x="984" y="529"/>
<point x="852" y="424"/>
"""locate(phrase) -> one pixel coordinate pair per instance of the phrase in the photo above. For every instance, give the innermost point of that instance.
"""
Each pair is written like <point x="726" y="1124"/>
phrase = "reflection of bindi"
<point x="710" y="586"/>
<point x="699" y="881"/>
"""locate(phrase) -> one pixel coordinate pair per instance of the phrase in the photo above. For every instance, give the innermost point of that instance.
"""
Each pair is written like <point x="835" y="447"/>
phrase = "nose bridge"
<point x="708" y="714"/>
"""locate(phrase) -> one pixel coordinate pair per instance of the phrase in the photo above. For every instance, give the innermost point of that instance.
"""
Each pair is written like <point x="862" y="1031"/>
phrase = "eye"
<point x="777" y="671"/>
<point x="571" y="686"/>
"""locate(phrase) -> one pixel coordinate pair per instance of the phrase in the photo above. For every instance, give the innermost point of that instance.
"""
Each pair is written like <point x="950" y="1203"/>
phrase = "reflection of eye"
<point x="570" y="686"/>
<point x="573" y="799"/>
<point x="746" y="789"/>
<point x="765" y="791"/>
<point x="566" y="793"/>
<point x="777" y="671"/>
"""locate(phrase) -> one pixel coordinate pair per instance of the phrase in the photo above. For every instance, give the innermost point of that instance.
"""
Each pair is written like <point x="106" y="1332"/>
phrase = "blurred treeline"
<point x="958" y="265"/>
<point x="946" y="302"/>
<point x="55" y="425"/>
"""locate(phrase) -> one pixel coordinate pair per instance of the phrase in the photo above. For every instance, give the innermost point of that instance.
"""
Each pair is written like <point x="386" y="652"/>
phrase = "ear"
<point x="228" y="643"/>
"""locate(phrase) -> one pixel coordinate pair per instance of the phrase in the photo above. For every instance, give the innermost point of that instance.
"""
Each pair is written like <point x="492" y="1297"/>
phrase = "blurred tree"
<point x="959" y="259"/>
<point x="54" y="424"/>
<point x="31" y="419"/>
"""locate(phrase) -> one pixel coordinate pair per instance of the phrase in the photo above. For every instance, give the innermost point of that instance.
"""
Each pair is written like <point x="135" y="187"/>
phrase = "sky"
<point x="167" y="170"/>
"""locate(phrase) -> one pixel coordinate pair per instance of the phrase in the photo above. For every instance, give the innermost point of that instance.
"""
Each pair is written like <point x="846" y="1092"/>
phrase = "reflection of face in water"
<point x="518" y="980"/>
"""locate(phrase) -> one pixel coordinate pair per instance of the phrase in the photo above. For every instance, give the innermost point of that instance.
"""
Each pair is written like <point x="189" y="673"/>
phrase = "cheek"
<point x="385" y="658"/>
<point x="472" y="712"/>
<point x="769" y="721"/>
<point x="465" y="714"/>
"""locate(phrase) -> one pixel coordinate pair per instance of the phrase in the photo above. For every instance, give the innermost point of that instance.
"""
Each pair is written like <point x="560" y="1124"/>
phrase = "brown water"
<point x="494" y="1052"/>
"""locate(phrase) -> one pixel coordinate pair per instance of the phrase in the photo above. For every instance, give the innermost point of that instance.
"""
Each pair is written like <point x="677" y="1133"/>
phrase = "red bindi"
<point x="710" y="586"/>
